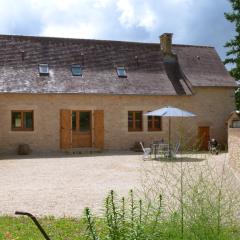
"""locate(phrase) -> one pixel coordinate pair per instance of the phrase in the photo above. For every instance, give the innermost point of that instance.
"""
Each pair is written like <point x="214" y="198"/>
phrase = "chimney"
<point x="166" y="43"/>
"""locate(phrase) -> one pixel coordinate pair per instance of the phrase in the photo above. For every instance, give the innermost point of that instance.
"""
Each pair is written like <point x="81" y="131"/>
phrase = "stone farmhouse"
<point x="62" y="94"/>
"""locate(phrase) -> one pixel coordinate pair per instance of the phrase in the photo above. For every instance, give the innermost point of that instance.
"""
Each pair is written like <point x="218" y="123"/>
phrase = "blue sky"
<point x="198" y="22"/>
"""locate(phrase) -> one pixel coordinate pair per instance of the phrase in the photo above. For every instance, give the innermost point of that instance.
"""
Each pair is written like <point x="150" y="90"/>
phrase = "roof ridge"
<point x="71" y="39"/>
<point x="92" y="40"/>
<point x="192" y="45"/>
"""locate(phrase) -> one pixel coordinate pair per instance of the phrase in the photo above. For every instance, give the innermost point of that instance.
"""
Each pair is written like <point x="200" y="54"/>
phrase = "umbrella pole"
<point x="169" y="135"/>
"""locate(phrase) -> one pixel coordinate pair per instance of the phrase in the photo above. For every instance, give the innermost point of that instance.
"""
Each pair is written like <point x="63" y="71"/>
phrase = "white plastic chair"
<point x="146" y="152"/>
<point x="175" y="150"/>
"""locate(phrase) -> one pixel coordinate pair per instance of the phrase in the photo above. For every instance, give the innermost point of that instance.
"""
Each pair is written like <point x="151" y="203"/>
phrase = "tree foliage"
<point x="233" y="45"/>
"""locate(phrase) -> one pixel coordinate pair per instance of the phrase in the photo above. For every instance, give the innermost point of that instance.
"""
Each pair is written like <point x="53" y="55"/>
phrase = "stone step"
<point x="84" y="151"/>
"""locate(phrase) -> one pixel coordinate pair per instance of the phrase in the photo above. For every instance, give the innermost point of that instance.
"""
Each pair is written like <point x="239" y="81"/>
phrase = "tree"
<point x="233" y="54"/>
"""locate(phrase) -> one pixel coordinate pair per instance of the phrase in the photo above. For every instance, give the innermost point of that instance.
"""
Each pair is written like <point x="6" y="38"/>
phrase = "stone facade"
<point x="211" y="105"/>
<point x="234" y="143"/>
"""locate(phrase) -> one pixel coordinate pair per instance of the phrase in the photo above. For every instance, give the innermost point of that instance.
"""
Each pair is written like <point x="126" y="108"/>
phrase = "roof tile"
<point x="99" y="59"/>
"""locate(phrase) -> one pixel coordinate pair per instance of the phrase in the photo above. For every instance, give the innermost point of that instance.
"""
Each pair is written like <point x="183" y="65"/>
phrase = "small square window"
<point x="76" y="70"/>
<point x="43" y="69"/>
<point x="22" y="120"/>
<point x="121" y="72"/>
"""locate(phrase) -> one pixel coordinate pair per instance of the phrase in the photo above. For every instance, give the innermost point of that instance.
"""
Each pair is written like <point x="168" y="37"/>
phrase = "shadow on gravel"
<point x="67" y="155"/>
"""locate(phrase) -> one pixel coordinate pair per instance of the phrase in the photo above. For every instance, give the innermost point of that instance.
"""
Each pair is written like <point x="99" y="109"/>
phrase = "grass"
<point x="22" y="228"/>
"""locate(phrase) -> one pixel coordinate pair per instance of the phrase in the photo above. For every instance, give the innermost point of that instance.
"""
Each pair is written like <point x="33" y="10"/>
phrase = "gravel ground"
<point x="63" y="185"/>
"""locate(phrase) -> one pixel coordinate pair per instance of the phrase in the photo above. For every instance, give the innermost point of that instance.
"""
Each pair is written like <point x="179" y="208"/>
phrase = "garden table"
<point x="163" y="149"/>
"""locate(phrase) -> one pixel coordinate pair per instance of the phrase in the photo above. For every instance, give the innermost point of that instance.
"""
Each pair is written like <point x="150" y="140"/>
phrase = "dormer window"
<point x="76" y="70"/>
<point x="43" y="69"/>
<point x="121" y="72"/>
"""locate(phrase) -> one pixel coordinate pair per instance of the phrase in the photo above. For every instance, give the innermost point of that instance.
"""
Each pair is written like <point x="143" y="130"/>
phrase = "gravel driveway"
<point x="65" y="184"/>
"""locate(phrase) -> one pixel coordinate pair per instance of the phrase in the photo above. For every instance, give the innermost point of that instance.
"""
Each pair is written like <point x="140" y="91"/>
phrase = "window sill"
<point x="135" y="130"/>
<point x="22" y="130"/>
<point x="154" y="130"/>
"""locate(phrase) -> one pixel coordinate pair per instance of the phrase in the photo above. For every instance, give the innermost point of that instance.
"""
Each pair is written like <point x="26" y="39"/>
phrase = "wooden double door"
<point x="81" y="129"/>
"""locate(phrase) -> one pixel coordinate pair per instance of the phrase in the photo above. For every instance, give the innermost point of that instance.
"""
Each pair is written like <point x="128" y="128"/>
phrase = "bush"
<point x="127" y="219"/>
<point x="204" y="205"/>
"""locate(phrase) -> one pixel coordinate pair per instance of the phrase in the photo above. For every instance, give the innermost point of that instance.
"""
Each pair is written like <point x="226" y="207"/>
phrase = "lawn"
<point x="23" y="228"/>
<point x="12" y="228"/>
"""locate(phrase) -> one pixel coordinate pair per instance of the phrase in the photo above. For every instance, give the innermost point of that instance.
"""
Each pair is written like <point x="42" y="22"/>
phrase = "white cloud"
<point x="78" y="30"/>
<point x="136" y="13"/>
<point x="65" y="5"/>
<point x="192" y="22"/>
<point x="102" y="3"/>
<point x="127" y="17"/>
<point x="148" y="18"/>
<point x="70" y="18"/>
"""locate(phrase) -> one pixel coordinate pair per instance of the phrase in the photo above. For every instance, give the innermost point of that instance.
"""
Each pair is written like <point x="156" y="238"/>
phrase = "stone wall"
<point x="234" y="141"/>
<point x="212" y="106"/>
<point x="234" y="147"/>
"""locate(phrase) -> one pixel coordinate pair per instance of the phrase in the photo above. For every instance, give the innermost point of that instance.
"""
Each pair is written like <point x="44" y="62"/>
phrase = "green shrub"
<point x="127" y="219"/>
<point x="203" y="205"/>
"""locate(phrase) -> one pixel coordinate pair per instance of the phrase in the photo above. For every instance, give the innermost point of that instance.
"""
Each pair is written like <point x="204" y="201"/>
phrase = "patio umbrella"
<point x="170" y="112"/>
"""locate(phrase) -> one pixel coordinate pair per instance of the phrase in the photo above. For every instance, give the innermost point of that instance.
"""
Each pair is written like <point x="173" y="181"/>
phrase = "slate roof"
<point x="147" y="73"/>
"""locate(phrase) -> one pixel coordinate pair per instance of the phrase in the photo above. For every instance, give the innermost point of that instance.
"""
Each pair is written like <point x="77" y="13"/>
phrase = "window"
<point x="135" y="121"/>
<point x="22" y="120"/>
<point x="154" y="123"/>
<point x="74" y="121"/>
<point x="43" y="69"/>
<point x="236" y="123"/>
<point x="121" y="72"/>
<point x="85" y="122"/>
<point x="81" y="121"/>
<point x="76" y="70"/>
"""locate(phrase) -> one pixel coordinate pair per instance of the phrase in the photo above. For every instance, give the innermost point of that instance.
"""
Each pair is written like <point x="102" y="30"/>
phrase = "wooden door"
<point x="65" y="129"/>
<point x="203" y="136"/>
<point x="81" y="129"/>
<point x="99" y="129"/>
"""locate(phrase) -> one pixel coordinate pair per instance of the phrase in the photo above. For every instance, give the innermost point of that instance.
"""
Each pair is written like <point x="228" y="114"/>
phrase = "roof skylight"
<point x="121" y="72"/>
<point x="76" y="70"/>
<point x="43" y="69"/>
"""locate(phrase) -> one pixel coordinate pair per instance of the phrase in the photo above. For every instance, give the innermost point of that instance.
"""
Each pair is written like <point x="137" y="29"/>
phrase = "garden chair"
<point x="146" y="152"/>
<point x="213" y="146"/>
<point x="174" y="151"/>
